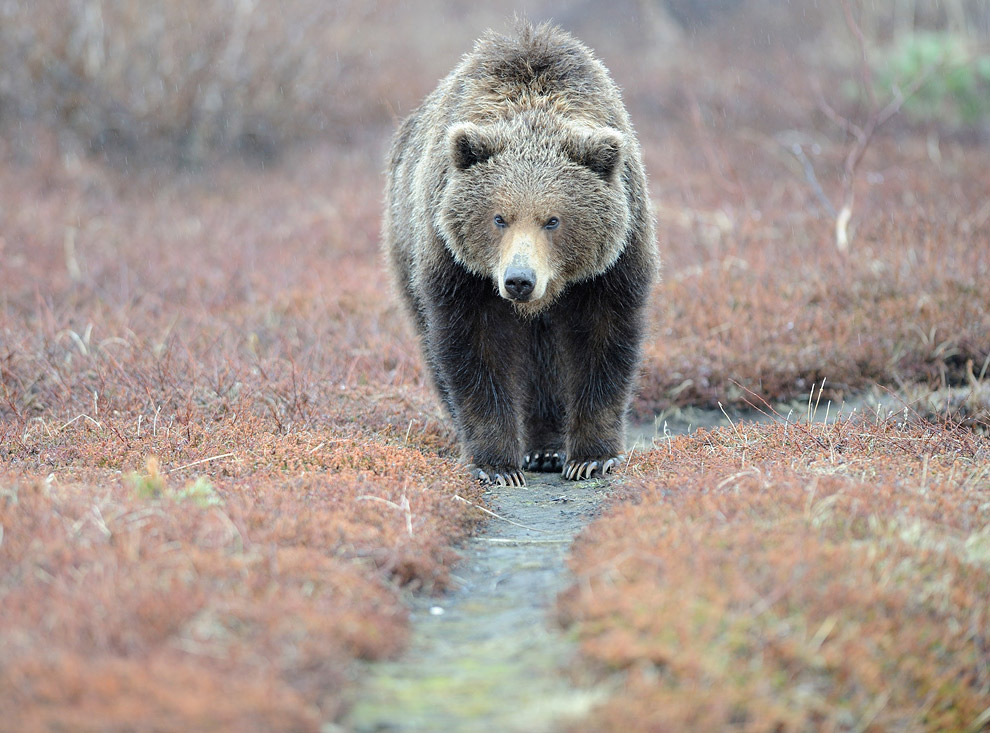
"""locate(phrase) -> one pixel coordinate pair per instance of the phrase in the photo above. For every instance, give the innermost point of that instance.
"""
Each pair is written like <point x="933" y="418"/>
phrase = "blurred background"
<point x="190" y="81"/>
<point x="818" y="172"/>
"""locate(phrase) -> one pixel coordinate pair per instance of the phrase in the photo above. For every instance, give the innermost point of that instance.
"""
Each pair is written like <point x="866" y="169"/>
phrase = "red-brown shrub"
<point x="217" y="458"/>
<point x="766" y="577"/>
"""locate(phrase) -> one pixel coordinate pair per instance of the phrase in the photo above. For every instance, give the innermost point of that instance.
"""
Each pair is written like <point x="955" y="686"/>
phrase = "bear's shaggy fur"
<point x="520" y="234"/>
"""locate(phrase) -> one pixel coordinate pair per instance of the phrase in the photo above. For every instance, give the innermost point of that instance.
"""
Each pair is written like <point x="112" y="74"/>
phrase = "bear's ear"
<point x="470" y="145"/>
<point x="599" y="149"/>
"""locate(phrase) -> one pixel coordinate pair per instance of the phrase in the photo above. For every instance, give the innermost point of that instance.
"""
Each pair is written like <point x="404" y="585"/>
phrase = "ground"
<point x="224" y="479"/>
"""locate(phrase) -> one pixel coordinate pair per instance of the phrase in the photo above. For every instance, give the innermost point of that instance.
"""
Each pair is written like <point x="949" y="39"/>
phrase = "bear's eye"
<point x="552" y="223"/>
<point x="500" y="221"/>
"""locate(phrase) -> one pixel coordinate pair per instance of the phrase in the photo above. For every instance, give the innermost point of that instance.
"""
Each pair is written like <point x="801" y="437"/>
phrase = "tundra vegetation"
<point x="221" y="464"/>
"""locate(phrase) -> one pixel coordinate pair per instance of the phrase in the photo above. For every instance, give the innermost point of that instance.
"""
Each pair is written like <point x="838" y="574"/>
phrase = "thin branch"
<point x="402" y="506"/>
<point x="900" y="97"/>
<point x="203" y="460"/>
<point x="505" y="541"/>
<point x="850" y="127"/>
<point x="489" y="512"/>
<point x="863" y="134"/>
<point x="864" y="61"/>
<point x="812" y="179"/>
<point x="80" y="417"/>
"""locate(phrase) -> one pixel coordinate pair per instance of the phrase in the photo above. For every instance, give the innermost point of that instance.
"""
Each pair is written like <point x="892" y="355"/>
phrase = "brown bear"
<point x="519" y="231"/>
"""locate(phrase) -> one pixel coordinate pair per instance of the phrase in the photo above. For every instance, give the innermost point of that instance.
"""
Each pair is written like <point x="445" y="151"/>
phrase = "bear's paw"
<point x="579" y="469"/>
<point x="544" y="460"/>
<point x="498" y="475"/>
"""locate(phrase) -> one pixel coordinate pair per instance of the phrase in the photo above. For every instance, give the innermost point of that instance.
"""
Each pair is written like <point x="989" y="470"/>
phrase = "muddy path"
<point x="489" y="655"/>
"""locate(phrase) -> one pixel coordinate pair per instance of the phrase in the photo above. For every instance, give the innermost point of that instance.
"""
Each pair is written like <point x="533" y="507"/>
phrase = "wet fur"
<point x="524" y="382"/>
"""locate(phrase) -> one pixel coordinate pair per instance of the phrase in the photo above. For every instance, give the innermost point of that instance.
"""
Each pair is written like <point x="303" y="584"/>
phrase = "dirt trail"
<point x="487" y="656"/>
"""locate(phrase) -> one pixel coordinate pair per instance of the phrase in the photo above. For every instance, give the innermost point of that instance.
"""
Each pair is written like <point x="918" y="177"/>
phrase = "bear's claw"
<point x="502" y="476"/>
<point x="544" y="460"/>
<point x="578" y="470"/>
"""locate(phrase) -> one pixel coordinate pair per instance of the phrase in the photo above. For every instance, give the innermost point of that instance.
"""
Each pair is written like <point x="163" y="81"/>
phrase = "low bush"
<point x="190" y="78"/>
<point x="217" y="467"/>
<point x="794" y="578"/>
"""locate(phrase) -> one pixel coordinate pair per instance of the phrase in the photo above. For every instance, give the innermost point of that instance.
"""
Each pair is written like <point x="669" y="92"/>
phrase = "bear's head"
<point x="535" y="205"/>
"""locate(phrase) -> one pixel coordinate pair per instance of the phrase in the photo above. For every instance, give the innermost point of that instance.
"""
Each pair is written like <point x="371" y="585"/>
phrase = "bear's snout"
<point x="519" y="283"/>
<point x="522" y="273"/>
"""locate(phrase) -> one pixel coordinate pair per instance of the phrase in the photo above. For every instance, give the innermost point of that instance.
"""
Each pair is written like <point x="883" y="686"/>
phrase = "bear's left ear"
<point x="471" y="144"/>
<point x="599" y="149"/>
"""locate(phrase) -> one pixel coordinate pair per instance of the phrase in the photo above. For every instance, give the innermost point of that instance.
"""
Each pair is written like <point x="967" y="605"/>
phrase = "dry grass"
<point x="794" y="578"/>
<point x="756" y="293"/>
<point x="189" y="78"/>
<point x="217" y="463"/>
<point x="237" y="600"/>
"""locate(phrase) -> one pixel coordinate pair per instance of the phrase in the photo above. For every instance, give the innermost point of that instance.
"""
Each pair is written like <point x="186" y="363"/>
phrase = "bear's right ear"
<point x="470" y="145"/>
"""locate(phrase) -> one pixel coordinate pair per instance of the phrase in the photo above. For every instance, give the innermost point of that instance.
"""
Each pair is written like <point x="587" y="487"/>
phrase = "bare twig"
<point x="203" y="460"/>
<point x="402" y="506"/>
<point x="864" y="61"/>
<point x="489" y="512"/>
<point x="80" y="417"/>
<point x="862" y="134"/>
<point x="848" y="126"/>
<point x="809" y="175"/>
<point x="506" y="541"/>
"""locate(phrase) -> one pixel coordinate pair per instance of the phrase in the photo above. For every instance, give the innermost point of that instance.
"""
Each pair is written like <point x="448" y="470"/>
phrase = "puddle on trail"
<point x="488" y="655"/>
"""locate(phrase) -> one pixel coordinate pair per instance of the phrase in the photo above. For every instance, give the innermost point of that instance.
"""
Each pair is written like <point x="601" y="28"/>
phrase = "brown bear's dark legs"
<point x="474" y="338"/>
<point x="544" y="408"/>
<point x="601" y="329"/>
<point x="431" y="362"/>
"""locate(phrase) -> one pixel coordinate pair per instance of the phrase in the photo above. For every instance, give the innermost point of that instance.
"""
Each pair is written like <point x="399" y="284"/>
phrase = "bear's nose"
<point x="519" y="282"/>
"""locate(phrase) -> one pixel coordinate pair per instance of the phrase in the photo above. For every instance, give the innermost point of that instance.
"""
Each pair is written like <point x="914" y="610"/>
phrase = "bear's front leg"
<point x="601" y="335"/>
<point x="543" y="423"/>
<point x="475" y="339"/>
